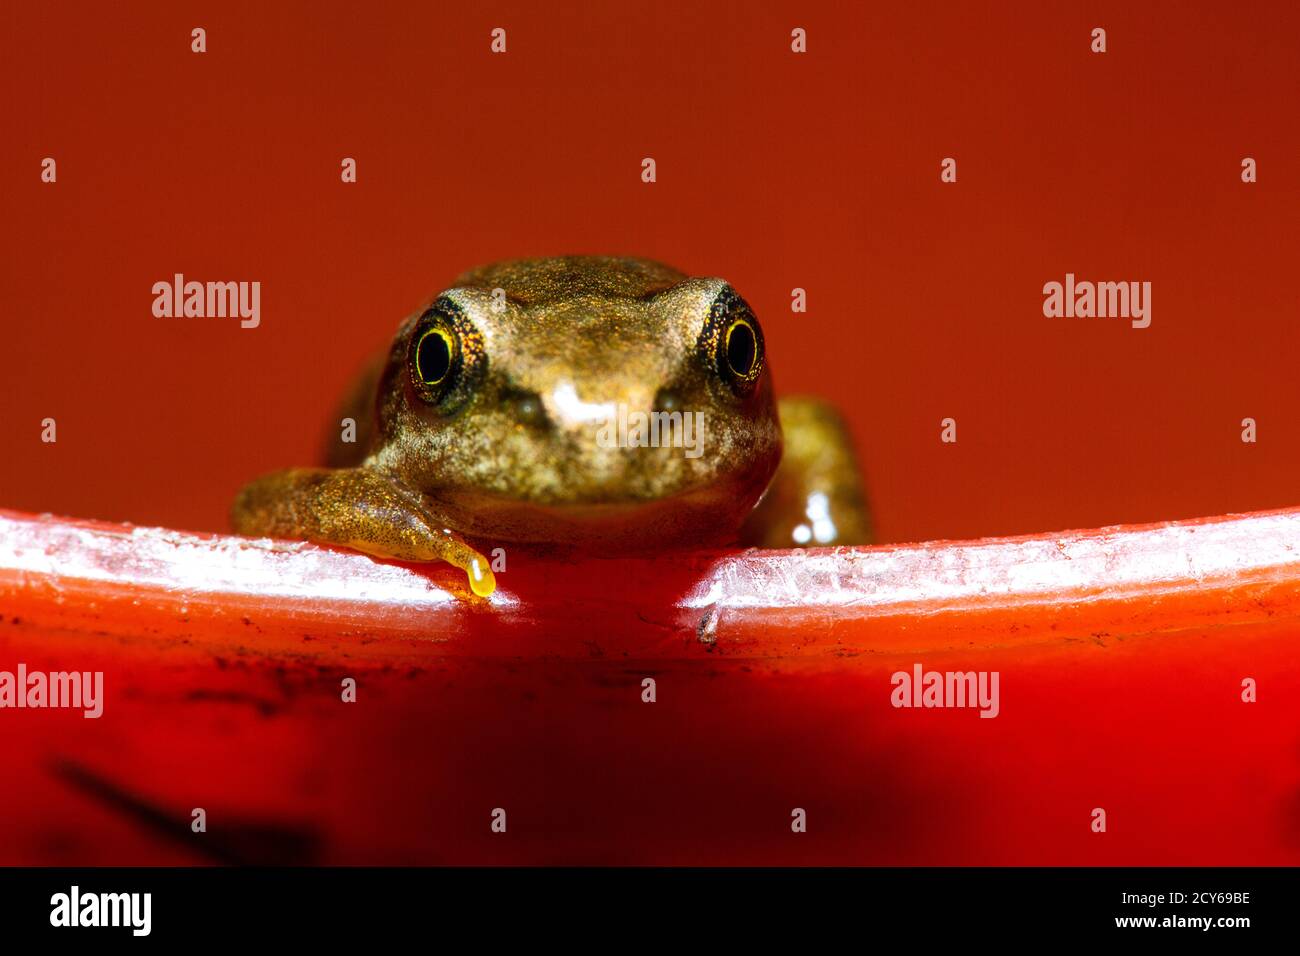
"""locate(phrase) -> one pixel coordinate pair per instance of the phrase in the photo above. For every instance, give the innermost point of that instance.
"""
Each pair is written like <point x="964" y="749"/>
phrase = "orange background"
<point x="774" y="170"/>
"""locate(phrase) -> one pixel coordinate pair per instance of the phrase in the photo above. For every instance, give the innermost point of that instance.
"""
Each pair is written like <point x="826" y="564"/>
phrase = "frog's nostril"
<point x="666" y="400"/>
<point x="528" y="408"/>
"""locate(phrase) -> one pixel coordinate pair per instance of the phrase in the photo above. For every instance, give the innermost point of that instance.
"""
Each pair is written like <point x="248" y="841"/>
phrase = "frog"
<point x="498" y="416"/>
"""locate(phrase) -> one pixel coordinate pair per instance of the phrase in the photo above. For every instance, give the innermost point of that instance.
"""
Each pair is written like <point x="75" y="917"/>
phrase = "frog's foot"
<point x="357" y="508"/>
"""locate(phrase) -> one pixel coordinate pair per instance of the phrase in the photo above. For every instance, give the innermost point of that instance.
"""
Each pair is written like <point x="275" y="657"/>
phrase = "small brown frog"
<point x="608" y="403"/>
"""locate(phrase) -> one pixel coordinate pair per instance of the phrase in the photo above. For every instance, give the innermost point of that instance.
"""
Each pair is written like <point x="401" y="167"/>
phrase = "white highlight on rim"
<point x="1077" y="566"/>
<point x="190" y="564"/>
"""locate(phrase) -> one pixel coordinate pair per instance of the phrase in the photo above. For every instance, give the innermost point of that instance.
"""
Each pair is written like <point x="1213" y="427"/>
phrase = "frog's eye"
<point x="732" y="342"/>
<point x="445" y="357"/>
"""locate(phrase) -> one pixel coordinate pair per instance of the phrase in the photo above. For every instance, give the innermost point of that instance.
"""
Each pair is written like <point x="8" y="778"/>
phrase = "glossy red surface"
<point x="1121" y="654"/>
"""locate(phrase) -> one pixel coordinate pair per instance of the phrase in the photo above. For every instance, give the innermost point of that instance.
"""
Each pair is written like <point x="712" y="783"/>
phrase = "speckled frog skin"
<point x="491" y="420"/>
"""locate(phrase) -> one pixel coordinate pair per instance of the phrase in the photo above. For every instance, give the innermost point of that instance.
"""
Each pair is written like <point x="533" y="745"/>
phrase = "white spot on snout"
<point x="575" y="409"/>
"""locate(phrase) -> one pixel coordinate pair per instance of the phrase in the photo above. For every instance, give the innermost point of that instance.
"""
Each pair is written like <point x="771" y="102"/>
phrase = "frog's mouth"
<point x="704" y="516"/>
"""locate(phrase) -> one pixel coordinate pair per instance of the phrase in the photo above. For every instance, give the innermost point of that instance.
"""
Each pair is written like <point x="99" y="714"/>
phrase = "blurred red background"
<point x="775" y="170"/>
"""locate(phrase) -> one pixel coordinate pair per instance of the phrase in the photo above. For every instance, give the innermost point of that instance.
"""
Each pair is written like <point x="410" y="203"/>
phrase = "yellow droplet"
<point x="481" y="579"/>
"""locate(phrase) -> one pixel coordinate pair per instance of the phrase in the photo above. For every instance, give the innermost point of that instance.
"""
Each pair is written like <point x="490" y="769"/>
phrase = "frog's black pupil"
<point x="742" y="349"/>
<point x="433" y="358"/>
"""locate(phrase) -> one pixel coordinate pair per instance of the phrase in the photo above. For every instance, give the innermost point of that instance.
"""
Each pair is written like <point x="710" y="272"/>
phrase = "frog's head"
<point x="589" y="400"/>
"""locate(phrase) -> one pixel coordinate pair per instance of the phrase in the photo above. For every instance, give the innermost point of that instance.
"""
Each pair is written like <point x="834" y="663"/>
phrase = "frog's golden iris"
<point x="731" y="340"/>
<point x="444" y="356"/>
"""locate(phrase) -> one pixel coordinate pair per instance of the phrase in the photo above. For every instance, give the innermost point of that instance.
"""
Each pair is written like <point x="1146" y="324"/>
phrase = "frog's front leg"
<point x="817" y="496"/>
<point x="358" y="508"/>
